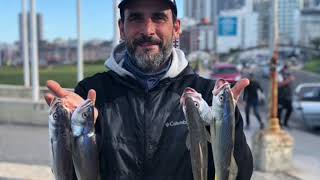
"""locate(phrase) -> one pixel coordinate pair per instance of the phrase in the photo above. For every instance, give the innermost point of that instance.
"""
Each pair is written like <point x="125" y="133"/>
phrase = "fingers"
<point x="49" y="98"/>
<point x="56" y="89"/>
<point x="239" y="87"/>
<point x="92" y="95"/>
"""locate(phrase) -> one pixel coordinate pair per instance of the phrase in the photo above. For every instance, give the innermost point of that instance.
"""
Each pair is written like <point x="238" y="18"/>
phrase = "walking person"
<point x="251" y="98"/>
<point x="138" y="117"/>
<point x="285" y="81"/>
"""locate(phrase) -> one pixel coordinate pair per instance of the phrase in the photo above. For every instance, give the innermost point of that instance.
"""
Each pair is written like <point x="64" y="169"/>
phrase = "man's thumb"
<point x="92" y="95"/>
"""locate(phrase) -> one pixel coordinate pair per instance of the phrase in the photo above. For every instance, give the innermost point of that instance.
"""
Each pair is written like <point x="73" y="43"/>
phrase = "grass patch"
<point x="66" y="75"/>
<point x="313" y="66"/>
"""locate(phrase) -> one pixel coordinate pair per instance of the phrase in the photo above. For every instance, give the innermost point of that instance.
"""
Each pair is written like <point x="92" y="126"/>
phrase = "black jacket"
<point x="143" y="134"/>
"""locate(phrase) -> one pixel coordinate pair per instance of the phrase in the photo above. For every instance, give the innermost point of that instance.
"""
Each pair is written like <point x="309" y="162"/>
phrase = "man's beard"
<point x="146" y="61"/>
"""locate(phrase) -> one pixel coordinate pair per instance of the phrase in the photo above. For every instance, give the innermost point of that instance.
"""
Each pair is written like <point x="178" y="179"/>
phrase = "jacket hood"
<point x="115" y="62"/>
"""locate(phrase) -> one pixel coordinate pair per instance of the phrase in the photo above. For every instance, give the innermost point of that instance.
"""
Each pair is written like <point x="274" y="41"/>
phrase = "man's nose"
<point x="148" y="27"/>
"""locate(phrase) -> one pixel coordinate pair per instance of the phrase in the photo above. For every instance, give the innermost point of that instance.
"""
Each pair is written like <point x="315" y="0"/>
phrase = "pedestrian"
<point x="285" y="79"/>
<point x="251" y="98"/>
<point x="139" y="120"/>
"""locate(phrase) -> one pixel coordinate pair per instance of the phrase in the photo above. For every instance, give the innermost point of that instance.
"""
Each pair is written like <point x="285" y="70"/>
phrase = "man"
<point x="250" y="96"/>
<point x="140" y="122"/>
<point x="285" y="95"/>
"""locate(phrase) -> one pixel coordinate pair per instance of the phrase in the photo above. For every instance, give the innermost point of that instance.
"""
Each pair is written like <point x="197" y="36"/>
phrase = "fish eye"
<point x="220" y="98"/>
<point x="55" y="116"/>
<point x="84" y="115"/>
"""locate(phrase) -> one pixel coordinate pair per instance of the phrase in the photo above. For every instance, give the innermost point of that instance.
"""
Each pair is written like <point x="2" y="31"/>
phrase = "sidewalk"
<point x="306" y="154"/>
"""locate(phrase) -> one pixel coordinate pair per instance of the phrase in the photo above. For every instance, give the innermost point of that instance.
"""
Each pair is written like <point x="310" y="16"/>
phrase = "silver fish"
<point x="60" y="144"/>
<point x="84" y="142"/>
<point x="197" y="139"/>
<point x="222" y="130"/>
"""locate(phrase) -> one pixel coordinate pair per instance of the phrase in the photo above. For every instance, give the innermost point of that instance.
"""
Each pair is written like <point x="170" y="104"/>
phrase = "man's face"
<point x="148" y="31"/>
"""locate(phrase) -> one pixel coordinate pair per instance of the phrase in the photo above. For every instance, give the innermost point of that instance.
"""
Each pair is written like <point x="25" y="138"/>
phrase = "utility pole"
<point x="273" y="147"/>
<point x="274" y="120"/>
<point x="25" y="45"/>
<point x="34" y="52"/>
<point x="80" y="51"/>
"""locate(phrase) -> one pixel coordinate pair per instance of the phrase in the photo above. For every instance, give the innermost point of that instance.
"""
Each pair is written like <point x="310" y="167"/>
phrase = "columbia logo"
<point x="172" y="123"/>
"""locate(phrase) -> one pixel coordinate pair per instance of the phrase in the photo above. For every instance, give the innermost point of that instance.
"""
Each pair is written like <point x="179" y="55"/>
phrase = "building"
<point x="39" y="27"/>
<point x="311" y="4"/>
<point x="310" y="26"/>
<point x="262" y="8"/>
<point x="237" y="28"/>
<point x="204" y="9"/>
<point x="199" y="9"/>
<point x="288" y="15"/>
<point x="198" y="38"/>
<point x="288" y="20"/>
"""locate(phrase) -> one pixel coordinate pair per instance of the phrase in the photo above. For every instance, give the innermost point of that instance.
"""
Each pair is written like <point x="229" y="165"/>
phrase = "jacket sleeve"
<point x="242" y="152"/>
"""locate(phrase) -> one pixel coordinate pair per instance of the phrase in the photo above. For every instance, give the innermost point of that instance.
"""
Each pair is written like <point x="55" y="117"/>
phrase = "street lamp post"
<point x="25" y="45"/>
<point x="274" y="120"/>
<point x="80" y="52"/>
<point x="34" y="52"/>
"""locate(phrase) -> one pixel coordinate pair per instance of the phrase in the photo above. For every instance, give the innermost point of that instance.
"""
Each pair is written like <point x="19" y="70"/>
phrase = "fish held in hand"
<point x="197" y="140"/>
<point x="84" y="142"/>
<point x="60" y="141"/>
<point x="222" y="129"/>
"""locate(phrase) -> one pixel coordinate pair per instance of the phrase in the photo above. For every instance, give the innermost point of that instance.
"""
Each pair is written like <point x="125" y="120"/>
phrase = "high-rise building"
<point x="310" y="26"/>
<point x="311" y="4"/>
<point x="198" y="9"/>
<point x="39" y="31"/>
<point x="39" y="27"/>
<point x="263" y="8"/>
<point x="204" y="9"/>
<point x="288" y="15"/>
<point x="288" y="20"/>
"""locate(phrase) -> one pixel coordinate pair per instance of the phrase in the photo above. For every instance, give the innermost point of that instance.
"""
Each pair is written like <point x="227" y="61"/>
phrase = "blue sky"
<point x="59" y="18"/>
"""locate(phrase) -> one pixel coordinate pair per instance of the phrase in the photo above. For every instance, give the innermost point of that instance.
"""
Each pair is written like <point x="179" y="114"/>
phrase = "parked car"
<point x="306" y="104"/>
<point x="226" y="71"/>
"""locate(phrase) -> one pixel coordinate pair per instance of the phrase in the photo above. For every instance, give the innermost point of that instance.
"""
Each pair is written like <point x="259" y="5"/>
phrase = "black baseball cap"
<point x="172" y="3"/>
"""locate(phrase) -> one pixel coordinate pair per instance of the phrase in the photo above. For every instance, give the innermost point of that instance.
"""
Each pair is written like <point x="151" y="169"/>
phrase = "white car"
<point x="306" y="104"/>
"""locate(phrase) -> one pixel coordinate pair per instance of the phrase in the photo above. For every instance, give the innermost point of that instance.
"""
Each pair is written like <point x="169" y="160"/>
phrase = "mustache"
<point x="147" y="39"/>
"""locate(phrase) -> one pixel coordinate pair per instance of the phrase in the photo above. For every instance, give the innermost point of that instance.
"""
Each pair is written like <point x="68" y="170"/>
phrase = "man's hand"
<point x="69" y="99"/>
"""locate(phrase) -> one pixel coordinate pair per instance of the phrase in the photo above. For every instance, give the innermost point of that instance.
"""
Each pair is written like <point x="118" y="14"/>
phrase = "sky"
<point x="59" y="19"/>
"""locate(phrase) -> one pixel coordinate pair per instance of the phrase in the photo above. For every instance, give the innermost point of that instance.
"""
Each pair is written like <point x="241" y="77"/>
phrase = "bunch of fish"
<point x="72" y="139"/>
<point x="221" y="119"/>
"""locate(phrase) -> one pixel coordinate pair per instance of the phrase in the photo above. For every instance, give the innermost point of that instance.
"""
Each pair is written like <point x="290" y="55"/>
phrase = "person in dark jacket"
<point x="251" y="98"/>
<point x="285" y="95"/>
<point x="140" y="123"/>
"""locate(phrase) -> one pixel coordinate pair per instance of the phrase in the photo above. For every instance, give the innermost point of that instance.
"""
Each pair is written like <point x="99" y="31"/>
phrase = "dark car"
<point x="226" y="71"/>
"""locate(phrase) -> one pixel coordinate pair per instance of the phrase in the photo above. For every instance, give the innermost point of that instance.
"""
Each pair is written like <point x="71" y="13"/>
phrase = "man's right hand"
<point x="69" y="99"/>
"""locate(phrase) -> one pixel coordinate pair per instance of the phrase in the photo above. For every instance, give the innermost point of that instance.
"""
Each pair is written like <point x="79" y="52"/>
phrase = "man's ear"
<point x="121" y="28"/>
<point x="177" y="28"/>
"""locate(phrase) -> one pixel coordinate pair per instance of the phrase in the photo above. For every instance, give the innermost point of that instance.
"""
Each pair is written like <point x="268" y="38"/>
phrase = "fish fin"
<point x="188" y="143"/>
<point x="208" y="136"/>
<point x="233" y="172"/>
